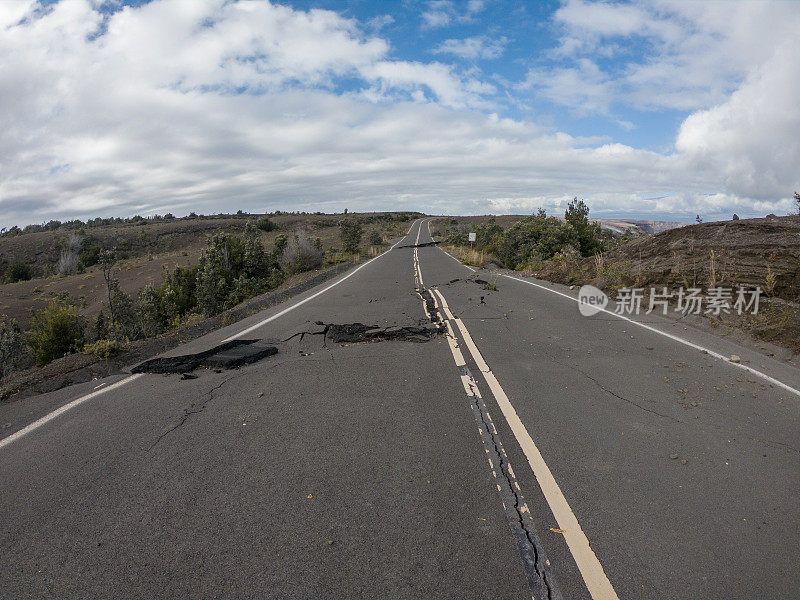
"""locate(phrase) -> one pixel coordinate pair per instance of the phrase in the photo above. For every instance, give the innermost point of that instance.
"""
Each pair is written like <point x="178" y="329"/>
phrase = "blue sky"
<point x="657" y="110"/>
<point x="521" y="35"/>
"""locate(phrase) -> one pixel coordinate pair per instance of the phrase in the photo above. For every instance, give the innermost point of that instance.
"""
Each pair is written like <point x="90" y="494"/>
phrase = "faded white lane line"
<point x="61" y="410"/>
<point x="675" y="338"/>
<point x="588" y="564"/>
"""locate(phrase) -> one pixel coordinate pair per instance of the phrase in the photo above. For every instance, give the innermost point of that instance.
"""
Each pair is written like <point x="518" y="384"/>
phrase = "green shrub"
<point x="15" y="353"/>
<point x="488" y="236"/>
<point x="123" y="324"/>
<point x="301" y="253"/>
<point x="233" y="269"/>
<point x="375" y="238"/>
<point x="350" y="232"/>
<point x="533" y="240"/>
<point x="56" y="330"/>
<point x="256" y="263"/>
<point x="103" y="348"/>
<point x="179" y="292"/>
<point x="90" y="254"/>
<point x="537" y="236"/>
<point x="149" y="312"/>
<point x="280" y="244"/>
<point x="19" y="271"/>
<point x="265" y="224"/>
<point x="455" y="236"/>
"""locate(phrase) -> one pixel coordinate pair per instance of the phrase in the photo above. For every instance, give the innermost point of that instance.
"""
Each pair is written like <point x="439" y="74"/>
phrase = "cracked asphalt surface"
<point x="357" y="469"/>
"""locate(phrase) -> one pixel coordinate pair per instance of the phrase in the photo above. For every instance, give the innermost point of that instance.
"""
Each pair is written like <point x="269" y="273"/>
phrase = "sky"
<point x="658" y="110"/>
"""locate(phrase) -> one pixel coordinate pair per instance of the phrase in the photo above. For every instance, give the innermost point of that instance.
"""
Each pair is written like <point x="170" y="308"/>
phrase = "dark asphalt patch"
<point x="230" y="355"/>
<point x="351" y="333"/>
<point x="430" y="305"/>
<point x="491" y="286"/>
<point x="423" y="245"/>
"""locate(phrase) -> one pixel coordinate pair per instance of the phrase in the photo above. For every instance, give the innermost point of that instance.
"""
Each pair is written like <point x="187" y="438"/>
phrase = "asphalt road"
<point x="524" y="452"/>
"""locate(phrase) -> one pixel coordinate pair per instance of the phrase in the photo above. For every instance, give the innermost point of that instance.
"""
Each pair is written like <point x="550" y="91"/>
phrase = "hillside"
<point x="145" y="250"/>
<point x="752" y="253"/>
<point x="725" y="253"/>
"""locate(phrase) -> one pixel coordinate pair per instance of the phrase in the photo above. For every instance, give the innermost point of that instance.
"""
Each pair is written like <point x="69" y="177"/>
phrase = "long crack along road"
<point x="406" y="432"/>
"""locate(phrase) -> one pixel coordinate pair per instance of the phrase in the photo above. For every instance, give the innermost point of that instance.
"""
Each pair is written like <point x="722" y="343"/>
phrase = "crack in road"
<point x="189" y="411"/>
<point x="351" y="333"/>
<point x="628" y="400"/>
<point x="420" y="245"/>
<point x="540" y="579"/>
<point x="535" y="564"/>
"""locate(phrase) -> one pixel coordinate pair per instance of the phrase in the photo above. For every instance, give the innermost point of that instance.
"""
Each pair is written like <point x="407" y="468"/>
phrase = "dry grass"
<point x="469" y="257"/>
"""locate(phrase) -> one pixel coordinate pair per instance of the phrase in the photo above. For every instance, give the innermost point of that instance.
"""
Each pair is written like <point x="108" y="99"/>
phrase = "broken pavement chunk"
<point x="240" y="355"/>
<point x="229" y="355"/>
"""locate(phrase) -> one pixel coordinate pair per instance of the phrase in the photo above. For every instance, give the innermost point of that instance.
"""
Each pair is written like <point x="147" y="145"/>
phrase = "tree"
<point x="255" y="260"/>
<point x="588" y="234"/>
<point x="15" y="353"/>
<point x="107" y="266"/>
<point x="797" y="201"/>
<point x="350" y="231"/>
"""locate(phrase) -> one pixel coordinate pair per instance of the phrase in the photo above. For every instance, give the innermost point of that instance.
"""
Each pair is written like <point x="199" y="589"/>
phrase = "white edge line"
<point x="61" y="410"/>
<point x="591" y="570"/>
<point x="455" y="259"/>
<point x="672" y="337"/>
<point x="50" y="416"/>
<point x="445" y="251"/>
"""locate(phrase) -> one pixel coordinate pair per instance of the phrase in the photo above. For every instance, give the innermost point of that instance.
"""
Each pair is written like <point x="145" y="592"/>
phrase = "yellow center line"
<point x="591" y="570"/>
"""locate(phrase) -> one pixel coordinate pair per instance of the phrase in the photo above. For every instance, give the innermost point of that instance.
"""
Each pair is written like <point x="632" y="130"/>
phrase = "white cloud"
<point x="149" y="117"/>
<point x="379" y="22"/>
<point x="694" y="54"/>
<point x="753" y="139"/>
<point x="584" y="88"/>
<point x="440" y="13"/>
<point x="440" y="79"/>
<point x="480" y="46"/>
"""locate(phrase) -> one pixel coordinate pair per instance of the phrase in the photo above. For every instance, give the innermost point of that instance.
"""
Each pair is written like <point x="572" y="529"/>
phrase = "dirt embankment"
<point x="751" y="253"/>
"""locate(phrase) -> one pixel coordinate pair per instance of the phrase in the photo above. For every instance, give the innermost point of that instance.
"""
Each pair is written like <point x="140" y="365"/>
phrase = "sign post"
<point x="471" y="239"/>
